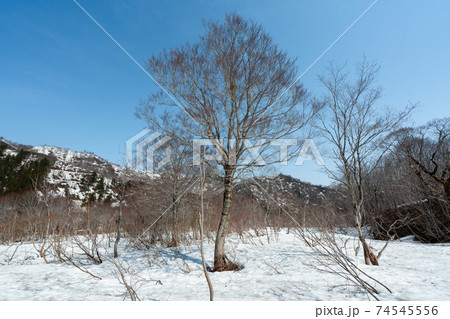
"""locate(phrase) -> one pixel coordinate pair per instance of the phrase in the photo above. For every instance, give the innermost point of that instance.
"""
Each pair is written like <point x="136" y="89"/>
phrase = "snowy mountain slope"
<point x="69" y="168"/>
<point x="287" y="190"/>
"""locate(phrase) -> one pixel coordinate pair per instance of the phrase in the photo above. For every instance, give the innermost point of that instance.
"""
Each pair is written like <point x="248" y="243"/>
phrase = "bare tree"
<point x="120" y="185"/>
<point x="44" y="196"/>
<point x="121" y="275"/>
<point x="358" y="131"/>
<point x="405" y="201"/>
<point x="177" y="174"/>
<point x="231" y="88"/>
<point x="427" y="149"/>
<point x="331" y="257"/>
<point x="200" y="222"/>
<point x="411" y="189"/>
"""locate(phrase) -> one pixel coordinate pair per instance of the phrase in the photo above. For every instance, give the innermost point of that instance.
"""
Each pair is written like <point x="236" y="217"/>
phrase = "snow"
<point x="10" y="152"/>
<point x="277" y="271"/>
<point x="62" y="153"/>
<point x="412" y="203"/>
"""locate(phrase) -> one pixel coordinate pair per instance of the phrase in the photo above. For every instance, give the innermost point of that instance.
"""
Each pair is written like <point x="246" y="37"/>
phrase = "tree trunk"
<point x="175" y="224"/>
<point x="118" y="221"/>
<point x="202" y="252"/>
<point x="369" y="256"/>
<point x="220" y="259"/>
<point x="447" y="191"/>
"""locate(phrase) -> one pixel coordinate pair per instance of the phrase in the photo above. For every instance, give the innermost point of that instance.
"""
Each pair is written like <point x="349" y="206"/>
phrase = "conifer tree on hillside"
<point x="18" y="173"/>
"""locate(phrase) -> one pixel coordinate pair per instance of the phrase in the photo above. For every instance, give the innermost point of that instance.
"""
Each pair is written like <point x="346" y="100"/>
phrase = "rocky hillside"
<point x="284" y="188"/>
<point x="74" y="174"/>
<point x="80" y="174"/>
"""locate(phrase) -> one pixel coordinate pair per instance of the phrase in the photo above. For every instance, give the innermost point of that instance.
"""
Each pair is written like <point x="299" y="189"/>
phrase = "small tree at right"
<point x="359" y="132"/>
<point x="427" y="150"/>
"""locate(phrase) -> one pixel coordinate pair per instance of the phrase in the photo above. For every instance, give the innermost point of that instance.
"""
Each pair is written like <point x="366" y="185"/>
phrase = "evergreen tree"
<point x="18" y="173"/>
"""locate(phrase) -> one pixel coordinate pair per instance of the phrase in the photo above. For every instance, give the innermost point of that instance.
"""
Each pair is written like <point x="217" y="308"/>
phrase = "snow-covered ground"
<point x="277" y="271"/>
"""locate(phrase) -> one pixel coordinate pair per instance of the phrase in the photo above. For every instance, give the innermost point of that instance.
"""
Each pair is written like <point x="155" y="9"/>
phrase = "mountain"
<point x="80" y="174"/>
<point x="291" y="192"/>
<point x="71" y="173"/>
<point x="70" y="168"/>
<point x="283" y="187"/>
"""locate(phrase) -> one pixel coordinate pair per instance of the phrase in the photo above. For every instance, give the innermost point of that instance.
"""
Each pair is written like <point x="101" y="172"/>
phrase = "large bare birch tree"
<point x="233" y="86"/>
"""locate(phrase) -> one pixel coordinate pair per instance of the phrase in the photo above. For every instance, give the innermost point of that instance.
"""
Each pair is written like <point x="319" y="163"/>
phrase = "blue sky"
<point x="63" y="82"/>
